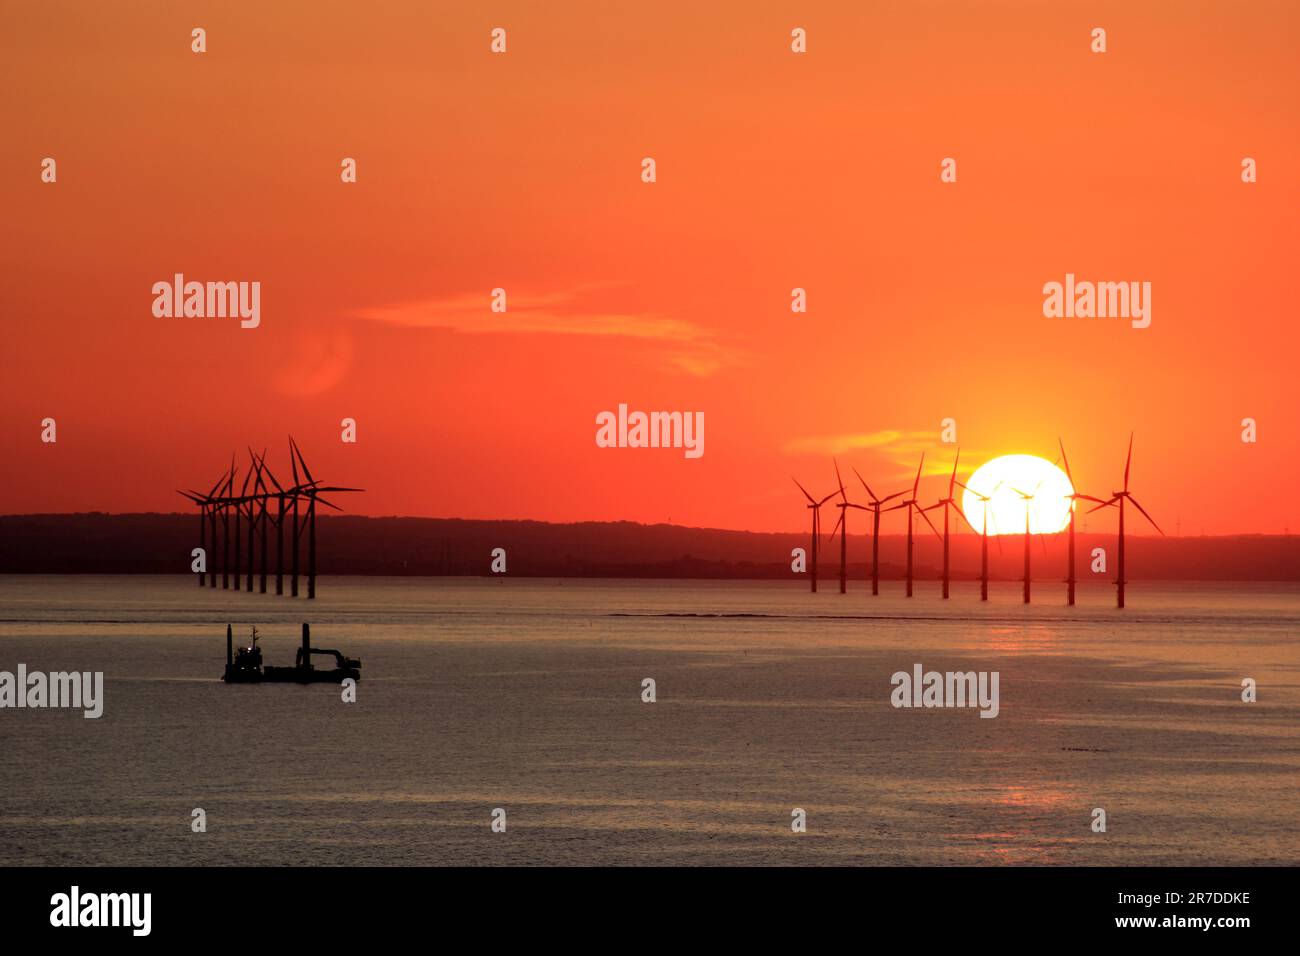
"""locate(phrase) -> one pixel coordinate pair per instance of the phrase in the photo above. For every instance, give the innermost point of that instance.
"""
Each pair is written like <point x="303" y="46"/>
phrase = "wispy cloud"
<point x="688" y="346"/>
<point x="902" y="449"/>
<point x="842" y="444"/>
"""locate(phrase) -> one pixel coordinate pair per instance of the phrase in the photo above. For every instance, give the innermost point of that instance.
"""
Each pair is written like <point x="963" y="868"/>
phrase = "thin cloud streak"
<point x="901" y="449"/>
<point x="695" y="352"/>
<point x="842" y="444"/>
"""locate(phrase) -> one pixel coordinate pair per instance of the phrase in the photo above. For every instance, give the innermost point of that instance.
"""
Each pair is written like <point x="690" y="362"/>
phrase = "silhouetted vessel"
<point x="246" y="666"/>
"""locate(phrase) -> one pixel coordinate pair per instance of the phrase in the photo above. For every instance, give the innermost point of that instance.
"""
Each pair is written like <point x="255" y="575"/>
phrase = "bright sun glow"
<point x="1002" y="481"/>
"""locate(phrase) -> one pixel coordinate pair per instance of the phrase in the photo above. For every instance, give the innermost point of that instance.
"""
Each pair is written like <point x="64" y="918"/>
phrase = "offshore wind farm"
<point x="251" y="505"/>
<point x="1051" y="515"/>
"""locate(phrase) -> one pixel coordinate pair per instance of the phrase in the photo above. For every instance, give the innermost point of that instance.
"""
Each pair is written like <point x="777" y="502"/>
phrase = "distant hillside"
<point x="161" y="543"/>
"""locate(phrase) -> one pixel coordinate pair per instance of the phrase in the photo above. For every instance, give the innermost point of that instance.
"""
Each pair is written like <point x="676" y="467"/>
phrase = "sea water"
<point x="527" y="696"/>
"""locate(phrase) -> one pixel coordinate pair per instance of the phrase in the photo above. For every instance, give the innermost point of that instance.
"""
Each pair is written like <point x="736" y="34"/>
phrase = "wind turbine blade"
<point x="839" y="479"/>
<point x="865" y="485"/>
<point x="1066" y="462"/>
<point x="336" y="488"/>
<point x="1144" y="513"/>
<point x="826" y="499"/>
<point x="1129" y="460"/>
<point x="1086" y="498"/>
<point x="327" y="504"/>
<point x="1104" y="504"/>
<point x="890" y="497"/>
<point x="895" y="507"/>
<point x="930" y="523"/>
<point x="293" y="462"/>
<point x="837" y="526"/>
<point x="953" y="478"/>
<point x="270" y="474"/>
<point x="811" y="499"/>
<point x="917" y="482"/>
<point x="303" y="461"/>
<point x="256" y="466"/>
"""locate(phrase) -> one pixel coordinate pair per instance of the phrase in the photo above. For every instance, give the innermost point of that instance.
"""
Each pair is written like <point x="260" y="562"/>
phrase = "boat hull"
<point x="290" y="675"/>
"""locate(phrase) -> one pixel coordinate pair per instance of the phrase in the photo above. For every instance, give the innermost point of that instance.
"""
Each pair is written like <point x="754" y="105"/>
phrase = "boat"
<point x="245" y="667"/>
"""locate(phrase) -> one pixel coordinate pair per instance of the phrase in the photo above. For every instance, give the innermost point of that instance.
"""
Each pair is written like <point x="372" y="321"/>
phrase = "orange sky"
<point x="775" y="170"/>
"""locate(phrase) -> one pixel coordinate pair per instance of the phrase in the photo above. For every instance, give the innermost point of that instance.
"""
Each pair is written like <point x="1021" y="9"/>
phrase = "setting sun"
<point x="1011" y="483"/>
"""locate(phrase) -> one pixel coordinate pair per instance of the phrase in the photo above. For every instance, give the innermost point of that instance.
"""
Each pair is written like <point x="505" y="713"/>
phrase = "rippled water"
<point x="525" y="695"/>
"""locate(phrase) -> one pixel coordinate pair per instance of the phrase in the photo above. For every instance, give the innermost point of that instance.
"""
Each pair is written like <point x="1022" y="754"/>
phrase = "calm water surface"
<point x="526" y="695"/>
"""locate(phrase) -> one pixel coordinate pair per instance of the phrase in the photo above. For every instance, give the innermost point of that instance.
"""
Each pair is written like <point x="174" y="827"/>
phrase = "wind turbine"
<point x="1027" y="497"/>
<point x="207" y="519"/>
<point x="238" y="504"/>
<point x="225" y="526"/>
<point x="815" y="506"/>
<point x="213" y="505"/>
<point x="945" y="503"/>
<point x="874" y="508"/>
<point x="280" y="495"/>
<point x="212" y="528"/>
<point x="1074" y="497"/>
<point x="911" y="505"/>
<point x="1119" y="497"/>
<point x="202" y="502"/>
<point x="984" y="534"/>
<point x="260" y="495"/>
<point x="843" y="527"/>
<point x="250" y="503"/>
<point x="311" y="522"/>
<point x="311" y="491"/>
<point x="297" y="530"/>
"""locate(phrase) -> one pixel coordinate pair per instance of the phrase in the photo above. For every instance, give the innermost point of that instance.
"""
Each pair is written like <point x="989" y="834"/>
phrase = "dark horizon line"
<point x="614" y="521"/>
